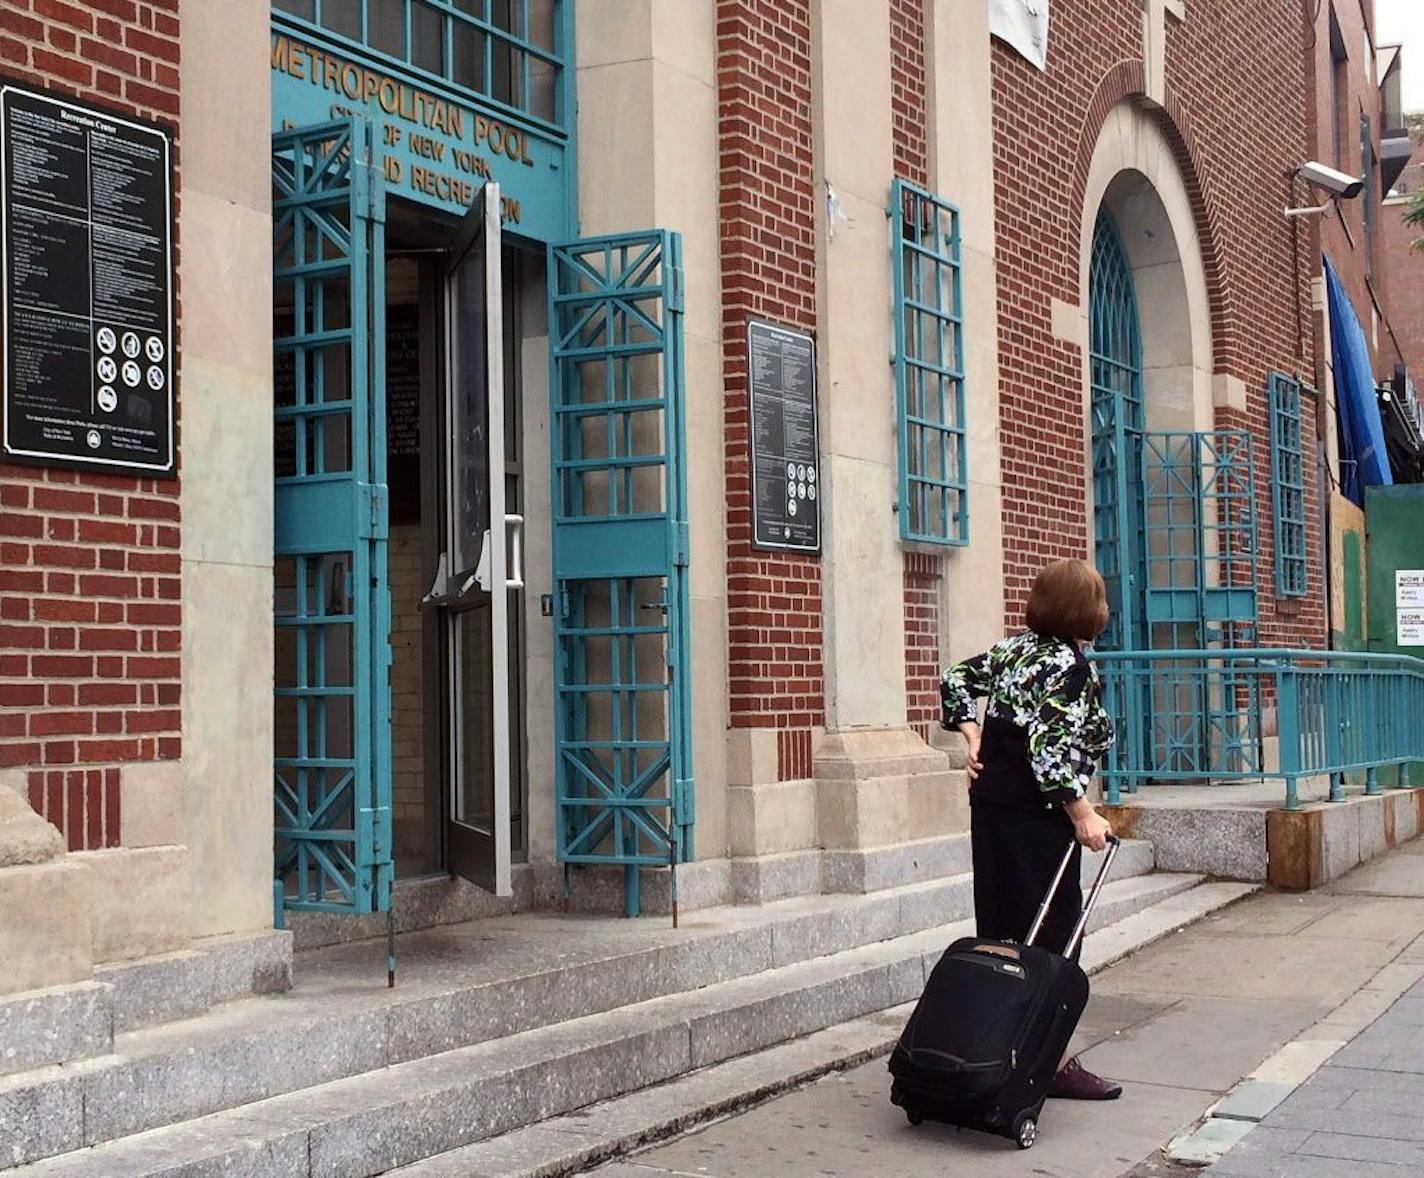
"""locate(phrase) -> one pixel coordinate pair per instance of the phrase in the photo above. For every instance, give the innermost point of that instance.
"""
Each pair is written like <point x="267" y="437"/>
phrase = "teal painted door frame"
<point x="331" y="593"/>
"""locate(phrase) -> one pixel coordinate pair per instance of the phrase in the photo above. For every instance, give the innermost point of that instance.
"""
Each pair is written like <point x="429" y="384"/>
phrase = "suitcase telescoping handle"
<point x="1113" y="844"/>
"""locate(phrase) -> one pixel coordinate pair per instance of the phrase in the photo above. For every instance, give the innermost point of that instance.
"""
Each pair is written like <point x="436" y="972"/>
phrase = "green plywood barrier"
<point x="1394" y="525"/>
<point x="1352" y="634"/>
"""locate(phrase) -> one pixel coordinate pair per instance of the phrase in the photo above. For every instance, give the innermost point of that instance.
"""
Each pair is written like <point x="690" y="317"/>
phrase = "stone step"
<point x="398" y="1115"/>
<point x="461" y="985"/>
<point x="465" y="985"/>
<point x="570" y="1143"/>
<point x="423" y="903"/>
<point x="79" y="1021"/>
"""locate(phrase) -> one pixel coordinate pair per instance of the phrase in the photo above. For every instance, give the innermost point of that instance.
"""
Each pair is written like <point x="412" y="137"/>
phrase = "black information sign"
<point x="786" y="475"/>
<point x="86" y="235"/>
<point x="403" y="412"/>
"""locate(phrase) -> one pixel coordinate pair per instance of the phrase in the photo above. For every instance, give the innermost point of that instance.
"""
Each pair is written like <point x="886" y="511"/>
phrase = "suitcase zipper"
<point x="1043" y="1000"/>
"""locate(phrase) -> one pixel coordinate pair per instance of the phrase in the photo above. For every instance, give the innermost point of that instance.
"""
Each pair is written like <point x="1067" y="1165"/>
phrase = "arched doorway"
<point x="1173" y="500"/>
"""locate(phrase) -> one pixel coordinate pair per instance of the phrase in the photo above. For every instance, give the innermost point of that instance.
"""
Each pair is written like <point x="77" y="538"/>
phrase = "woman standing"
<point x="1030" y="766"/>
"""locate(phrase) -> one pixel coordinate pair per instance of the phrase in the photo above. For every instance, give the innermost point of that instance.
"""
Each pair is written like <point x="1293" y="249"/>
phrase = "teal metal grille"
<point x="1176" y="539"/>
<point x="929" y="367"/>
<point x="514" y="52"/>
<point x="1115" y="352"/>
<point x="622" y="675"/>
<point x="1200" y="594"/>
<point x="1201" y="536"/>
<point x="1338" y="714"/>
<point x="1288" y="485"/>
<point x="332" y="602"/>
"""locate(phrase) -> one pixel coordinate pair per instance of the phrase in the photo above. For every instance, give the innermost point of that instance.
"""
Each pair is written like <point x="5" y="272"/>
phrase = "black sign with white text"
<point x="86" y="236"/>
<point x="786" y="475"/>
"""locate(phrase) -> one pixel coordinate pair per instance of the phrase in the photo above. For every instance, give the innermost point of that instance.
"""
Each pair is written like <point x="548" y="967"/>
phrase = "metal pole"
<point x="1113" y="845"/>
<point x="672" y="869"/>
<point x="1052" y="891"/>
<point x="391" y="945"/>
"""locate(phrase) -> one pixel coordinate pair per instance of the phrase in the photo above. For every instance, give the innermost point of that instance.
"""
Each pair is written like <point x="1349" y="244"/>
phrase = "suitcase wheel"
<point x="1025" y="1132"/>
<point x="913" y="1117"/>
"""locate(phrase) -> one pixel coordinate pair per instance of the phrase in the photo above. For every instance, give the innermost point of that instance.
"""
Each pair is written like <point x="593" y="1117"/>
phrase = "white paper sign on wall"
<point x="1409" y="627"/>
<point x="1409" y="588"/>
<point x="1409" y="607"/>
<point x="1023" y="25"/>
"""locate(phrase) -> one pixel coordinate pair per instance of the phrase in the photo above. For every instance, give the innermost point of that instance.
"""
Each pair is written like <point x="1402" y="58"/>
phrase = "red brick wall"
<point x="776" y="669"/>
<point x="1231" y="130"/>
<point x="1266" y="266"/>
<point x="90" y="574"/>
<point x="908" y="90"/>
<point x="922" y="658"/>
<point x="1342" y="231"/>
<point x="1406" y="287"/>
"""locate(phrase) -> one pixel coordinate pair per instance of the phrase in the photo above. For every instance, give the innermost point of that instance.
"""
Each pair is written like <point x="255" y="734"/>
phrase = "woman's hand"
<point x="972" y="738"/>
<point x="1089" y="827"/>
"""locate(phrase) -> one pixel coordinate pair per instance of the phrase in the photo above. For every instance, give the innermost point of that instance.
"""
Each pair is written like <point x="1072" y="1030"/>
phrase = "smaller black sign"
<point x="403" y="412"/>
<point x="86" y="235"/>
<point x="786" y="472"/>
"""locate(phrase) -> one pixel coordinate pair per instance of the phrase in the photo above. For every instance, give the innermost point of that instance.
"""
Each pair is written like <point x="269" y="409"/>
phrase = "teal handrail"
<point x="1257" y="714"/>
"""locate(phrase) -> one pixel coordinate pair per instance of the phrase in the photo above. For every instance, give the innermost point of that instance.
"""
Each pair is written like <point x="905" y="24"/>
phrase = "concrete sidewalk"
<point x="1179" y="1023"/>
<point x="1360" y="1113"/>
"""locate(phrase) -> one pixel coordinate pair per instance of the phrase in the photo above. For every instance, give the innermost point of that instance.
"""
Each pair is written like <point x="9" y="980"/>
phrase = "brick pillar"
<point x="92" y="591"/>
<point x="768" y="271"/>
<point x="90" y="584"/>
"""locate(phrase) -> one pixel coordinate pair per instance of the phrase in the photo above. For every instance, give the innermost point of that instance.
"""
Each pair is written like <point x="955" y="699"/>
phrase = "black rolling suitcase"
<point x="990" y="1029"/>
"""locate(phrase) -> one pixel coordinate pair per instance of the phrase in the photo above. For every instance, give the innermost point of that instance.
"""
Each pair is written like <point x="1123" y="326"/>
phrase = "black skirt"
<point x="1016" y="853"/>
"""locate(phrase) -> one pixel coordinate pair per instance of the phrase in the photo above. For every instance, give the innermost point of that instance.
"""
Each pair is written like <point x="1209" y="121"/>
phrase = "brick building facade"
<point x="752" y="147"/>
<point x="1257" y="266"/>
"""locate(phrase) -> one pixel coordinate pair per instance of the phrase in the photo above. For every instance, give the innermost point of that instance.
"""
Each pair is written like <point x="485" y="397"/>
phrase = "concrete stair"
<point x="81" y="1020"/>
<point x="568" y="1144"/>
<point x="499" y="1024"/>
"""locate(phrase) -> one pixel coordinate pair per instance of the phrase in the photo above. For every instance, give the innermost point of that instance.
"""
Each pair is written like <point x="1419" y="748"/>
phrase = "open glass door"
<point x="477" y="570"/>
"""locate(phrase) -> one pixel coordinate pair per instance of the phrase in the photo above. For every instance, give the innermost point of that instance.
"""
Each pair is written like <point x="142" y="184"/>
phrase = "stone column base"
<point x="46" y="935"/>
<point x="879" y="786"/>
<point x="65" y="912"/>
<point x="765" y="816"/>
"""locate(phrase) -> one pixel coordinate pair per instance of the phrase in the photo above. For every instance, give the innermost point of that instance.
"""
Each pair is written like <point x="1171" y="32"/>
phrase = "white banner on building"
<point x="1023" y="25"/>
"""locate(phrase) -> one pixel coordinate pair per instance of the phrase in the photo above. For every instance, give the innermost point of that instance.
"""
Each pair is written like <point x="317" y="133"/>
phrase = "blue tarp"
<point x="1364" y="461"/>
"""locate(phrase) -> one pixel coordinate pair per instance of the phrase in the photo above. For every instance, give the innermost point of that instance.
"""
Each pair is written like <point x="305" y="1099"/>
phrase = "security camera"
<point x="1340" y="185"/>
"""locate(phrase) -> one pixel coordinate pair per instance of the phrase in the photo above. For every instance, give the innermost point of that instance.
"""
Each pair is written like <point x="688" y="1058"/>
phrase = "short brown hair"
<point x="1068" y="600"/>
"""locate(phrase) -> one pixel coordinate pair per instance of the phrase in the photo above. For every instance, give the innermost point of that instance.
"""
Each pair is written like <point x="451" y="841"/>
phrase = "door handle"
<point x="515" y="577"/>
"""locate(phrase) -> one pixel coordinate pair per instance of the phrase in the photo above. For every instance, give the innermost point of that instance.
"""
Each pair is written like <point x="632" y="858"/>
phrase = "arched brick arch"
<point x="1125" y="81"/>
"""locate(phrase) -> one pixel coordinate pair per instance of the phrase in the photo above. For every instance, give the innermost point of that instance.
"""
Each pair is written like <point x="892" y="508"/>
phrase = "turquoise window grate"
<point x="933" y="501"/>
<point x="1288" y="485"/>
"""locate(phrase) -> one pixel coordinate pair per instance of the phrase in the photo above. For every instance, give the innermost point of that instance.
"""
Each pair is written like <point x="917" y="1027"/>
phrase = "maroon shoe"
<point x="1075" y="1082"/>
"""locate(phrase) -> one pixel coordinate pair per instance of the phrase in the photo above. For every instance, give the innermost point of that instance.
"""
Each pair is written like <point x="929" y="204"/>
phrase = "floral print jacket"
<point x="1048" y="693"/>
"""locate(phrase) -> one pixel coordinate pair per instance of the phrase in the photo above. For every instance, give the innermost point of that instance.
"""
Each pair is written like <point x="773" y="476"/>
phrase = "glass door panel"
<point x="476" y="572"/>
